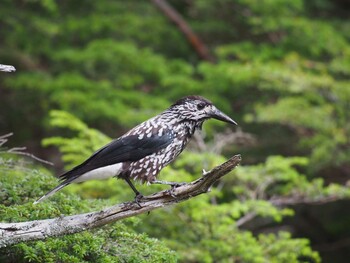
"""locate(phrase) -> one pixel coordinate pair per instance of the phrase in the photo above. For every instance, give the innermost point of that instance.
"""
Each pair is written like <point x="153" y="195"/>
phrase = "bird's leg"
<point x="138" y="195"/>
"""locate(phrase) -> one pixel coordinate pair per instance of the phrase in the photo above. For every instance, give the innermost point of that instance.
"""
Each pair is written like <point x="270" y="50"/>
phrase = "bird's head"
<point x="198" y="109"/>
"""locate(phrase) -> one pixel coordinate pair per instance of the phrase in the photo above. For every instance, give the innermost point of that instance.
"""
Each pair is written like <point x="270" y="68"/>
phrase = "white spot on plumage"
<point x="179" y="123"/>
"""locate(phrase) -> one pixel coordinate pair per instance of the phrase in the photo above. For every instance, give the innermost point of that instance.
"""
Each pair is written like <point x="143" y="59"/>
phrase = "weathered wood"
<point x="13" y="233"/>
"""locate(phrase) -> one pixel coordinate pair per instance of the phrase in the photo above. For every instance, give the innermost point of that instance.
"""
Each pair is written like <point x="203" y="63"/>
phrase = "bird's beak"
<point x="216" y="114"/>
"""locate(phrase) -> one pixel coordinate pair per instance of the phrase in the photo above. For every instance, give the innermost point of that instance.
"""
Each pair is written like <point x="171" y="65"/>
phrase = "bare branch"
<point x="192" y="38"/>
<point x="7" y="68"/>
<point x="221" y="140"/>
<point x="19" y="150"/>
<point x="245" y="219"/>
<point x="13" y="233"/>
<point x="296" y="200"/>
<point x="4" y="138"/>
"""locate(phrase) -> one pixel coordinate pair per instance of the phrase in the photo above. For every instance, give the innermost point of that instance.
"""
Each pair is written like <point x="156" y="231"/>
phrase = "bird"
<point x="142" y="152"/>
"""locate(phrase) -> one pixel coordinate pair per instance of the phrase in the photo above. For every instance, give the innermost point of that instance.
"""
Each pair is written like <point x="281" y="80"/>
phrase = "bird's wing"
<point x="125" y="149"/>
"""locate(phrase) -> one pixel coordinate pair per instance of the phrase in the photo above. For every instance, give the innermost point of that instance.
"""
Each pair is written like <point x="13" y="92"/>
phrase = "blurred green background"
<point x="87" y="71"/>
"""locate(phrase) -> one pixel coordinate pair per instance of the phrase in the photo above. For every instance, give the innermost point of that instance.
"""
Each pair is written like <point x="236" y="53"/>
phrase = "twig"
<point x="7" y="68"/>
<point x="221" y="140"/>
<point x="289" y="201"/>
<point x="245" y="219"/>
<point x="193" y="39"/>
<point x="19" y="150"/>
<point x="13" y="233"/>
<point x="295" y="200"/>
<point x="4" y="138"/>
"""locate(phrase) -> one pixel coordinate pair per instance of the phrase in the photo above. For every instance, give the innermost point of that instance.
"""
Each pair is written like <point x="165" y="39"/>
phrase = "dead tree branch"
<point x="13" y="233"/>
<point x="18" y="150"/>
<point x="200" y="48"/>
<point x="304" y="200"/>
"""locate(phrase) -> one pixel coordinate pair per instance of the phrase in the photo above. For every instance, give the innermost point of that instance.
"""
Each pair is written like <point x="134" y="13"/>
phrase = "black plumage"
<point x="124" y="149"/>
<point x="142" y="152"/>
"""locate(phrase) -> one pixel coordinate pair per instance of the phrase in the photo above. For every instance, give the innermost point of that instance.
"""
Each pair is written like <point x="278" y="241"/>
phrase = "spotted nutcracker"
<point x="142" y="152"/>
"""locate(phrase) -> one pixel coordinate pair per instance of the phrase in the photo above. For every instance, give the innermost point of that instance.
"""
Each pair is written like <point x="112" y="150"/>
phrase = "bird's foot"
<point x="171" y="192"/>
<point x="172" y="184"/>
<point x="138" y="198"/>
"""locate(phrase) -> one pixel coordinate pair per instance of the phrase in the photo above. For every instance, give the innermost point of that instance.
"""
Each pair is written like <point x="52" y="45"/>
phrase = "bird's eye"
<point x="200" y="106"/>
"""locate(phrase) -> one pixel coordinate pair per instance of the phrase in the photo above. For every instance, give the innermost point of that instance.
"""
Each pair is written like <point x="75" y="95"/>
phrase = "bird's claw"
<point x="172" y="184"/>
<point x="175" y="185"/>
<point x="138" y="198"/>
<point x="171" y="192"/>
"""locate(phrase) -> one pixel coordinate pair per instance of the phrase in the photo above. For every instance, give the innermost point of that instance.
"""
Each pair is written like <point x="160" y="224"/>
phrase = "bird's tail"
<point x="57" y="188"/>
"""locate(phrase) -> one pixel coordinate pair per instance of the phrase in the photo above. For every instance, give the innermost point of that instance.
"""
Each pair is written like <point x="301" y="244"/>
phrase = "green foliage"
<point x="325" y="101"/>
<point x="273" y="67"/>
<point x="24" y="183"/>
<point x="105" y="245"/>
<point x="86" y="140"/>
<point x="282" y="72"/>
<point x="210" y="220"/>
<point x="279" y="177"/>
<point x="279" y="245"/>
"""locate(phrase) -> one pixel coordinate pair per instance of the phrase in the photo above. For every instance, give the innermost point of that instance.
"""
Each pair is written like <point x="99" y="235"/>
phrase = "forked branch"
<point x="13" y="233"/>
